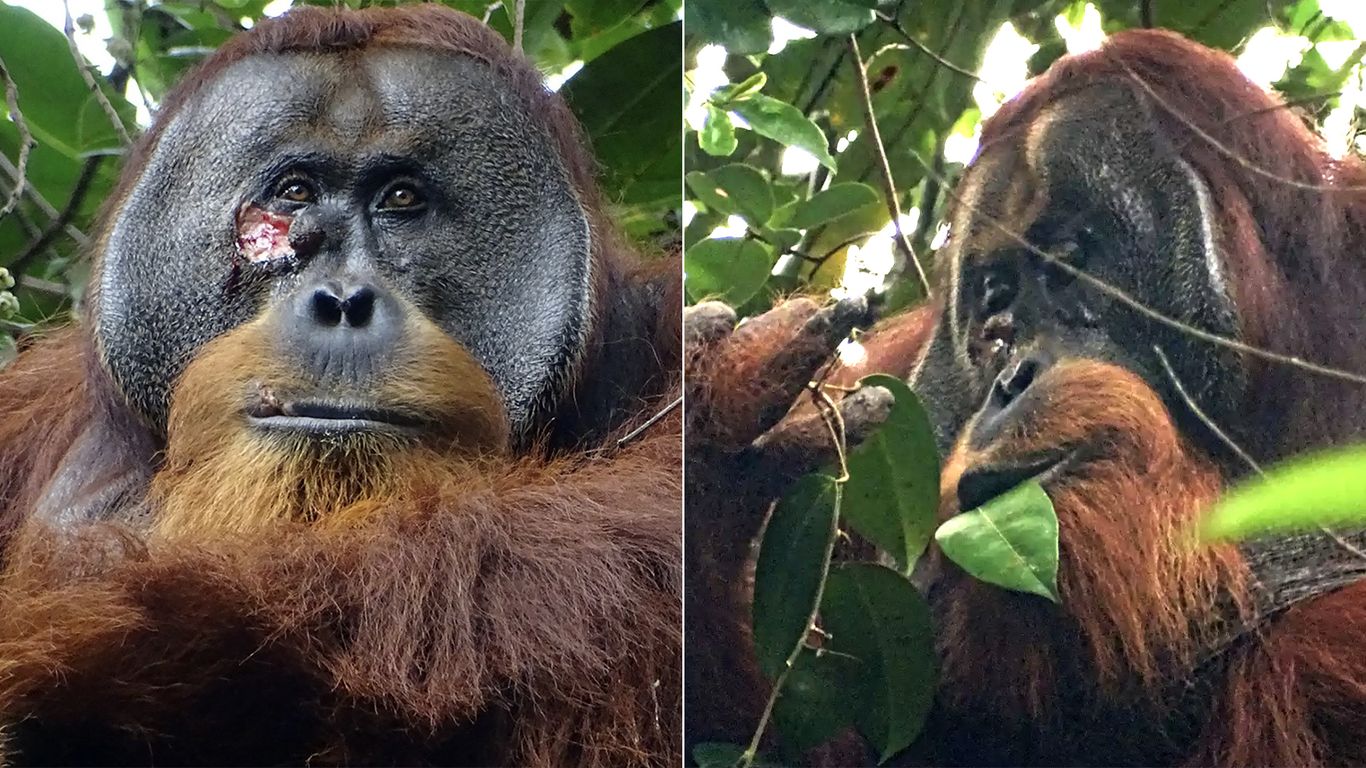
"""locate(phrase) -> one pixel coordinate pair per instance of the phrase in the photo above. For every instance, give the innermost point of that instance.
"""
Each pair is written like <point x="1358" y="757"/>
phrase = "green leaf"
<point x="627" y="100"/>
<point x="1324" y="488"/>
<point x="817" y="700"/>
<point x="748" y="189"/>
<point x="788" y="575"/>
<point x="96" y="134"/>
<point x="829" y="17"/>
<point x="52" y="93"/>
<point x="1011" y="541"/>
<point x="737" y="189"/>
<point x="893" y="490"/>
<point x="593" y="16"/>
<point x="1221" y="24"/>
<point x="731" y="269"/>
<point x="717" y="136"/>
<point x="875" y="615"/>
<point x="785" y="124"/>
<point x="781" y="239"/>
<point x="832" y="203"/>
<point x="786" y="195"/>
<point x="742" y="26"/>
<point x="743" y="89"/>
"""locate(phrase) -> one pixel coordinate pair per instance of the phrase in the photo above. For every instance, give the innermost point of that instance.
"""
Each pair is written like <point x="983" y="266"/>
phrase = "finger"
<point x="775" y="326"/>
<point x="752" y="381"/>
<point x="794" y="365"/>
<point x="804" y="444"/>
<point x="707" y="322"/>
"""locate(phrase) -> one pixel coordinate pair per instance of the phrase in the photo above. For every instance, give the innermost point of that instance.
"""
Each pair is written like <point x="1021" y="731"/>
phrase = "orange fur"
<point x="1157" y="653"/>
<point x="892" y="347"/>
<point x="220" y="474"/>
<point x="449" y="600"/>
<point x="45" y="401"/>
<point x="1134" y="586"/>
<point x="749" y="374"/>
<point x="536" y="598"/>
<point x="1295" y="698"/>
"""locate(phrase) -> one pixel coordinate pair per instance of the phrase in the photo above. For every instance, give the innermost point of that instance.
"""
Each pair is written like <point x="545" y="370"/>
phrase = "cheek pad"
<point x="507" y="266"/>
<point x="1163" y="250"/>
<point x="168" y="254"/>
<point x="509" y="278"/>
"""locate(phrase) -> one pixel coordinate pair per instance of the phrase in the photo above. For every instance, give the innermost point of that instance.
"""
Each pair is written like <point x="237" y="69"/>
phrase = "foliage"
<point x="1324" y="488"/>
<point x="625" y="95"/>
<point x="818" y="224"/>
<point x="848" y="644"/>
<point x="1010" y="541"/>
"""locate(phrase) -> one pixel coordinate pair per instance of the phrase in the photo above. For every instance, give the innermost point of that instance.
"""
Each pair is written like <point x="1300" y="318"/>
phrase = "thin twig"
<point x="834" y="422"/>
<point x="1152" y="314"/>
<point x="1237" y="449"/>
<point x="518" y="20"/>
<point x="754" y="234"/>
<point x="1200" y="412"/>
<point x="1286" y="104"/>
<point x="37" y="198"/>
<point x="895" y="24"/>
<point x="889" y="185"/>
<point x="84" y="67"/>
<point x="39" y="285"/>
<point x="25" y="141"/>
<point x="920" y="98"/>
<point x="1221" y="148"/>
<point x="650" y="422"/>
<point x="16" y="329"/>
<point x="31" y="230"/>
<point x="55" y="226"/>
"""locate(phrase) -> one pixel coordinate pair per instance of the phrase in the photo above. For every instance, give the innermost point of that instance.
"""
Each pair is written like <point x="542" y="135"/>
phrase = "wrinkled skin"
<point x="497" y="254"/>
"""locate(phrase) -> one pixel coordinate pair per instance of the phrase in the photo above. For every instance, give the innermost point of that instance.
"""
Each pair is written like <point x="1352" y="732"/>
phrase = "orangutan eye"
<point x="295" y="191"/>
<point x="1069" y="258"/>
<point x="401" y="197"/>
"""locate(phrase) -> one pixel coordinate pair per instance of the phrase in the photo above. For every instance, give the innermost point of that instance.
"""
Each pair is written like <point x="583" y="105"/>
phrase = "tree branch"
<point x="895" y="24"/>
<point x="25" y="141"/>
<point x="84" y="67"/>
<point x="36" y="246"/>
<point x="518" y="22"/>
<point x="40" y="201"/>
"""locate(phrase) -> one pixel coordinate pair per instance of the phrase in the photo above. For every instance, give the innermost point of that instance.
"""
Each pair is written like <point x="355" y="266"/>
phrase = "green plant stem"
<point x="752" y="751"/>
<point x="835" y="423"/>
<point x="889" y="185"/>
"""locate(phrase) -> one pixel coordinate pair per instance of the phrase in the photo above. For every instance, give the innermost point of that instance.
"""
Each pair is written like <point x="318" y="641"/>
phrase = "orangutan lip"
<point x="981" y="484"/>
<point x="319" y="417"/>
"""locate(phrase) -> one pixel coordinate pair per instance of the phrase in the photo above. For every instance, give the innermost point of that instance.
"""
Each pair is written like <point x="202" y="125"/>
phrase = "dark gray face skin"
<point x="496" y="253"/>
<point x="1094" y="182"/>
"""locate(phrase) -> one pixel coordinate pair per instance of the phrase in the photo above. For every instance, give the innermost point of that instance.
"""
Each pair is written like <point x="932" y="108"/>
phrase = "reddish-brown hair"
<point x="524" y="609"/>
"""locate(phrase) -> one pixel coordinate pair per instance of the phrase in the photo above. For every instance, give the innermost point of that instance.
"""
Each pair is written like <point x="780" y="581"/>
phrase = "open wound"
<point x="263" y="236"/>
